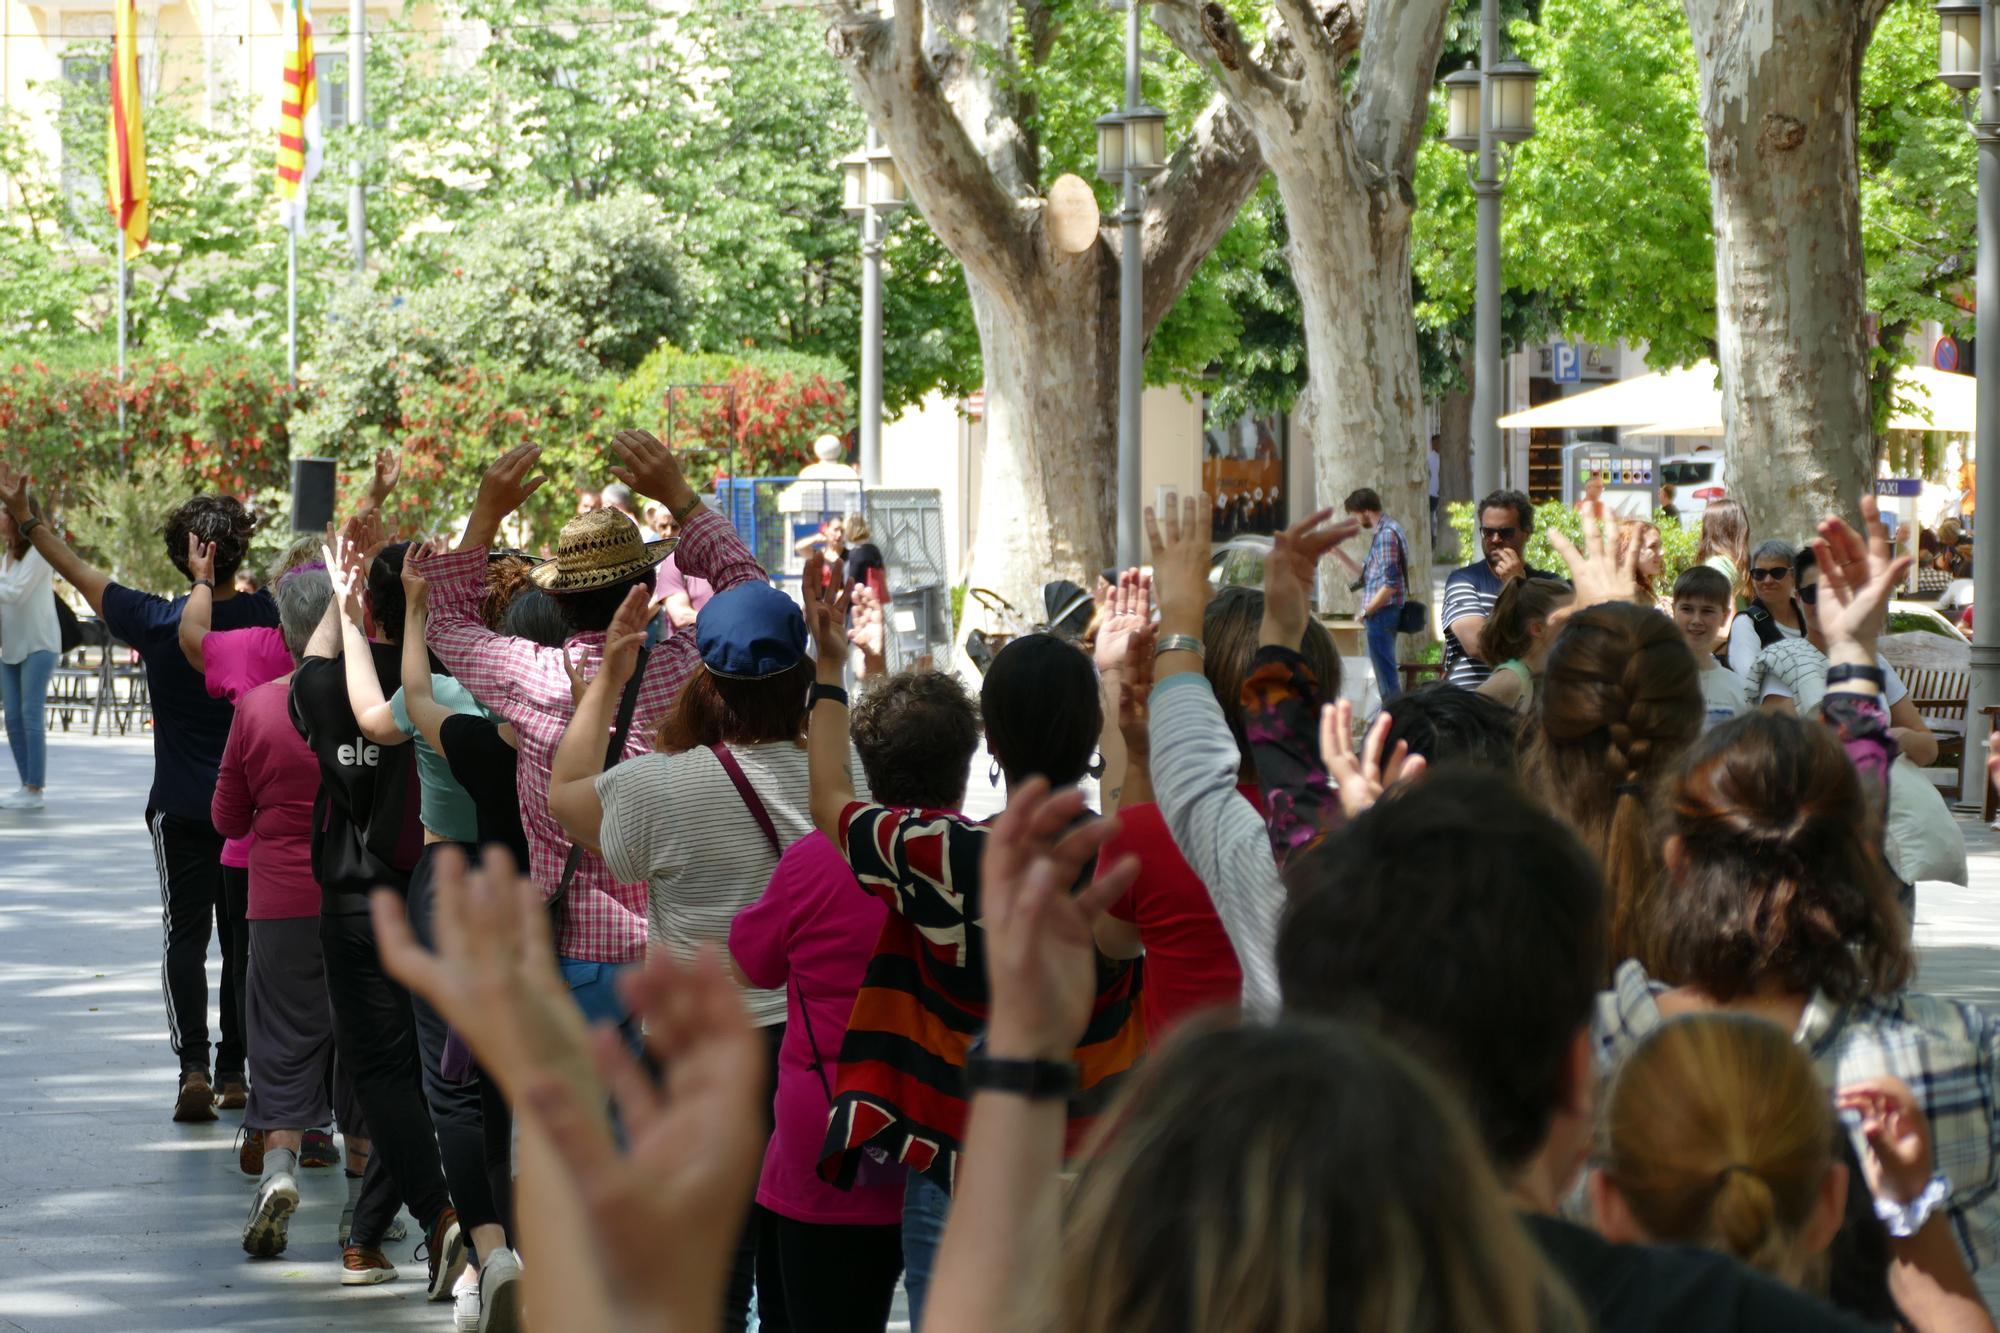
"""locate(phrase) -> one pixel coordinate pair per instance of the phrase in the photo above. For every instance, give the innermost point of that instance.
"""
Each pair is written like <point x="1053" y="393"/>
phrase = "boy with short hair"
<point x="1702" y="603"/>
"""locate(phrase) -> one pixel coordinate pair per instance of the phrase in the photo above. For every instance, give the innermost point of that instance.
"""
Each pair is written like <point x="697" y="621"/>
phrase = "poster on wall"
<point x="1243" y="469"/>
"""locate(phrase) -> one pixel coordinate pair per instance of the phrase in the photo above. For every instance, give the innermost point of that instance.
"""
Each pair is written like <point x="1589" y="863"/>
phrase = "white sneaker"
<point x="23" y="799"/>
<point x="465" y="1302"/>
<point x="264" y="1235"/>
<point x="500" y="1293"/>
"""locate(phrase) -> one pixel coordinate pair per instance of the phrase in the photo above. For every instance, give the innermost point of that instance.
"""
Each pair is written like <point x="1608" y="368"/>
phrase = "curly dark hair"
<point x="220" y="519"/>
<point x="1779" y="874"/>
<point x="916" y="733"/>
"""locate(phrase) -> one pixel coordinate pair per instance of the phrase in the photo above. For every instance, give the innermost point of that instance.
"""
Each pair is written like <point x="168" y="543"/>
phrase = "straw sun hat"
<point x="596" y="550"/>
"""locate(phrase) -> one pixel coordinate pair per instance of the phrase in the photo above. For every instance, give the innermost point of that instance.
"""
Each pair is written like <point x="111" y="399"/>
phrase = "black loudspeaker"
<point x="313" y="482"/>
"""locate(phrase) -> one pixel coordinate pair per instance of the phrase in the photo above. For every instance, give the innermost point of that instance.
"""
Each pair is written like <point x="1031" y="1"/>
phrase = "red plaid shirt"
<point x="604" y="921"/>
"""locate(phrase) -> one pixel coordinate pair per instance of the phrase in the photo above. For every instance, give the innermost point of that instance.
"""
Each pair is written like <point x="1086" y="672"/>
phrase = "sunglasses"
<point x="1498" y="534"/>
<point x="1809" y="594"/>
<point x="1769" y="575"/>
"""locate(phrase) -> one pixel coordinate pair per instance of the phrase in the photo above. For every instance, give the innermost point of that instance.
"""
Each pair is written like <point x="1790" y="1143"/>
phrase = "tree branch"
<point x="1195" y="202"/>
<point x="1400" y="44"/>
<point x="951" y="182"/>
<point x="1324" y="43"/>
<point x="1207" y="35"/>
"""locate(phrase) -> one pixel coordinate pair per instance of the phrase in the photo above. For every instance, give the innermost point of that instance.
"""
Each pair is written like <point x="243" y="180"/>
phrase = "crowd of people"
<point x="645" y="955"/>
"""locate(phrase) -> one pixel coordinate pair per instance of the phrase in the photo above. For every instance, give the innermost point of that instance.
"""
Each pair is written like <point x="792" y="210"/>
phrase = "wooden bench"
<point x="1416" y="673"/>
<point x="1940" y="698"/>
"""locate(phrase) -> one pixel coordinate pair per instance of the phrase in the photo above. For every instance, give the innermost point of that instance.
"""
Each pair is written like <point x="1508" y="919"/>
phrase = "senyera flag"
<point x="125" y="160"/>
<point x="299" y="134"/>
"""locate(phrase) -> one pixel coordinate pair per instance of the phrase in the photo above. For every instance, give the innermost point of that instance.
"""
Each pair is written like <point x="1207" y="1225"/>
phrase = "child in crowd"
<point x="1520" y="633"/>
<point x="1702" y="605"/>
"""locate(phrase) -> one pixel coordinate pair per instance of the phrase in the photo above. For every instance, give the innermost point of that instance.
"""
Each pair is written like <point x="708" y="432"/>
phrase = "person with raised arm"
<point x="619" y="1228"/>
<point x="600" y="558"/>
<point x="190" y="729"/>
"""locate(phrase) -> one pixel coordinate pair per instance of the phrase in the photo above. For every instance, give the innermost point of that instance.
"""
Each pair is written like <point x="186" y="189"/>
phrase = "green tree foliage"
<point x="573" y="289"/>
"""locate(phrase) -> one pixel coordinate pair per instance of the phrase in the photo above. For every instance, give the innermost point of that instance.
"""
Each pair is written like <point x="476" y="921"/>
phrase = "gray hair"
<point x="304" y="549"/>
<point x="1772" y="548"/>
<point x="302" y="601"/>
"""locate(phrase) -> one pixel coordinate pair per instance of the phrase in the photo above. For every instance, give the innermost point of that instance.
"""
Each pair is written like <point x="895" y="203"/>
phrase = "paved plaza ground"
<point x="112" y="1218"/>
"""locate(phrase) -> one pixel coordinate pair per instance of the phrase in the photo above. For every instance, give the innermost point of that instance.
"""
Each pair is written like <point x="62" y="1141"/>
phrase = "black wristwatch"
<point x="1874" y="675"/>
<point x="1037" y="1080"/>
<point x="28" y="525"/>
<point x="821" y="690"/>
<point x="204" y="583"/>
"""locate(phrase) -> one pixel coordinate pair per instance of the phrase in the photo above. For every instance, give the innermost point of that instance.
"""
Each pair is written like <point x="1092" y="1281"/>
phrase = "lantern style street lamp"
<point x="1967" y="34"/>
<point x="871" y="188"/>
<point x="1485" y="108"/>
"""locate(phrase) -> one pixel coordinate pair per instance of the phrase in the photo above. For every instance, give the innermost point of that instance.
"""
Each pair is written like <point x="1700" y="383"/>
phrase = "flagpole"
<point x="121" y="334"/>
<point x="292" y="299"/>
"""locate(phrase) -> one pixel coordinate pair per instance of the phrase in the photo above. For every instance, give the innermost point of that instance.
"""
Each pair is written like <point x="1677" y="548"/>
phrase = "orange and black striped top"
<point x="901" y="1096"/>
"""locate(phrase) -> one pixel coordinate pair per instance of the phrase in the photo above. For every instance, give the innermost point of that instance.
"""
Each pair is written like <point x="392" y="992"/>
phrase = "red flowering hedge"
<point x="783" y="401"/>
<point x="220" y="416"/>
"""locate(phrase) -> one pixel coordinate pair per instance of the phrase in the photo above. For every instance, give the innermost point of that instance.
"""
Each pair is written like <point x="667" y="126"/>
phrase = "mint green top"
<point x="447" y="810"/>
<point x="1520" y="668"/>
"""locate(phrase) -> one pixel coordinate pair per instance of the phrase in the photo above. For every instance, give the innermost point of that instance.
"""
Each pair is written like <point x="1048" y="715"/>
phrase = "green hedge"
<point x="218" y="419"/>
<point x="1678" y="544"/>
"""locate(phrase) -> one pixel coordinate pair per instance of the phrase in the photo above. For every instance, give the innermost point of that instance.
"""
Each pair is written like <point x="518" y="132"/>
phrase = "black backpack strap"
<point x="1764" y="623"/>
<point x="628" y="703"/>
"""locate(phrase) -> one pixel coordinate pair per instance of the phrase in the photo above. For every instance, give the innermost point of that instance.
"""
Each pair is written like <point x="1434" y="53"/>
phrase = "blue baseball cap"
<point x="750" y="632"/>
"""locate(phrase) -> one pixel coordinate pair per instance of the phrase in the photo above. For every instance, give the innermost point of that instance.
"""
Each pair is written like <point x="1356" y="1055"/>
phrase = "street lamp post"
<point x="871" y="188"/>
<point x="1967" y="35"/>
<point x="1488" y="108"/>
<point x="1131" y="150"/>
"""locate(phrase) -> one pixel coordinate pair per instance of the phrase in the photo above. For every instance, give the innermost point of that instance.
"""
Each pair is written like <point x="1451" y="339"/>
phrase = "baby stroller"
<point x="1068" y="610"/>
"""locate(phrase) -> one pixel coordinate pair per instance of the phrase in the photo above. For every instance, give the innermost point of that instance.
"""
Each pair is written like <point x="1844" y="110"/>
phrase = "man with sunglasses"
<point x="1506" y="521"/>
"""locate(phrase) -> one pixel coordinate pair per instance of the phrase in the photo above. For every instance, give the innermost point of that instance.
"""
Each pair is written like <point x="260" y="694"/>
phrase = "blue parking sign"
<point x="1566" y="363"/>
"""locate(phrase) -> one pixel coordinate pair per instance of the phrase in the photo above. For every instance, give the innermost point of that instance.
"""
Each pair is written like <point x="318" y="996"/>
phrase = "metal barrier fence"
<point x="773" y="514"/>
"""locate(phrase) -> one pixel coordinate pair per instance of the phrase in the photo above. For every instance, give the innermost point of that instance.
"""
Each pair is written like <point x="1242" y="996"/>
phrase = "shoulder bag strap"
<point x="755" y="806"/>
<point x="751" y="802"/>
<point x="628" y="704"/>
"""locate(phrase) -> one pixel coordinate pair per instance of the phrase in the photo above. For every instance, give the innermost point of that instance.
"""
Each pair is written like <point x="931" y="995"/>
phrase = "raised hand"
<point x="388" y="471"/>
<point x="650" y="468"/>
<point x="826" y="616"/>
<point x="1041" y="958"/>
<point x="1857" y="577"/>
<point x="200" y="560"/>
<point x="1289" y="571"/>
<point x="417" y="588"/>
<point x="1362" y="778"/>
<point x="1180" y="545"/>
<point x="346" y="569"/>
<point x="1599" y="571"/>
<point x="505" y="488"/>
<point x="1898" y="1161"/>
<point x="870" y="630"/>
<point x="1135" y="693"/>
<point x="692" y="1147"/>
<point x="14" y="493"/>
<point x="1128" y="608"/>
<point x="625" y="636"/>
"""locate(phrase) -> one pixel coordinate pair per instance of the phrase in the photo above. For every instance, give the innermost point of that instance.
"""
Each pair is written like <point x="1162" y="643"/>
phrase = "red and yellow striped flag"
<point x="125" y="158"/>
<point x="298" y="117"/>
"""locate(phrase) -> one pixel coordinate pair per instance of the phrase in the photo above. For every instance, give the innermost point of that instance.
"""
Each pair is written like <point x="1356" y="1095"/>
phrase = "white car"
<point x="1697" y="478"/>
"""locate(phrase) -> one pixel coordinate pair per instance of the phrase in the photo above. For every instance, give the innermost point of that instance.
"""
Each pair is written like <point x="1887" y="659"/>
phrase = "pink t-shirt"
<point x="812" y="935"/>
<point x="670" y="580"/>
<point x="234" y="662"/>
<point x="266" y="785"/>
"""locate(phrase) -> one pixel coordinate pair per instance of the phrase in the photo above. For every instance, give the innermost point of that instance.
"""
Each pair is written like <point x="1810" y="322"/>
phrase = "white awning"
<point x="1688" y="402"/>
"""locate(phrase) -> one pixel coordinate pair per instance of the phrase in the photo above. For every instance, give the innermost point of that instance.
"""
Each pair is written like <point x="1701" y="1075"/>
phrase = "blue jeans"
<point x="594" y="987"/>
<point x="925" y="1207"/>
<point x="24" y="691"/>
<point x="1382" y="651"/>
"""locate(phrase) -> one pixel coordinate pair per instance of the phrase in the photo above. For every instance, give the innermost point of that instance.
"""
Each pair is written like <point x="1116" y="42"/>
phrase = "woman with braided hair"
<point x="1621" y="700"/>
<point x="1775" y="903"/>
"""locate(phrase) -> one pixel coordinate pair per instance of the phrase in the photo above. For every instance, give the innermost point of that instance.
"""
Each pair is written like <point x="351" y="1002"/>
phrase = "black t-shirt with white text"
<point x="367" y="831"/>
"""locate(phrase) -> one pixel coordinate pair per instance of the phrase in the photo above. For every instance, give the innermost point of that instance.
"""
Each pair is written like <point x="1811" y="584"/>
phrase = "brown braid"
<point x="1620" y="702"/>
